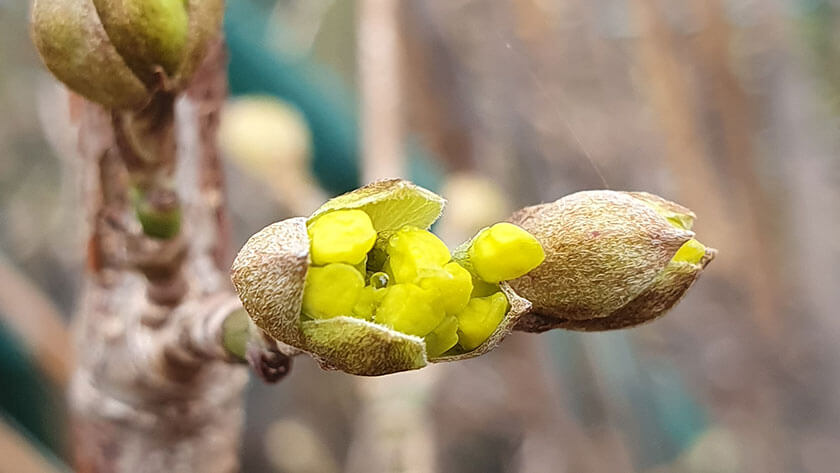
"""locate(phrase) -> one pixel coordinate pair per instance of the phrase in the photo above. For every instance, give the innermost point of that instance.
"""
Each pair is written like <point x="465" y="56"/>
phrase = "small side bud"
<point x="159" y="213"/>
<point x="235" y="333"/>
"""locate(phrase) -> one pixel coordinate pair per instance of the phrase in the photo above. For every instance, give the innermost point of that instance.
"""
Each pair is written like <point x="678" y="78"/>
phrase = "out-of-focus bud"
<point x="473" y="202"/>
<point x="613" y="260"/>
<point x="269" y="140"/>
<point x="119" y="52"/>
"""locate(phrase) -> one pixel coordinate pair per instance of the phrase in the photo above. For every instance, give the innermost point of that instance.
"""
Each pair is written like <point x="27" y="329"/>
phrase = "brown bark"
<point x="154" y="389"/>
<point x="735" y="111"/>
<point x="689" y="157"/>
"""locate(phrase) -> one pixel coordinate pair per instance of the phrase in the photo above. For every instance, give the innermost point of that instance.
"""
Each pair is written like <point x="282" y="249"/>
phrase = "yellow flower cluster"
<point x="408" y="281"/>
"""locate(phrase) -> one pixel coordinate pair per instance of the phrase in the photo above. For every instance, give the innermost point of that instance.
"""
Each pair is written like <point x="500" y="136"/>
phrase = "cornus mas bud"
<point x="118" y="52"/>
<point x="363" y="287"/>
<point x="614" y="260"/>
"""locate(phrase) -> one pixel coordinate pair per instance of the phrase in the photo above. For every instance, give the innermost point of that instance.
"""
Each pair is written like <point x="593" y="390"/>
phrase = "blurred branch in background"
<point x="677" y="106"/>
<point x="734" y="113"/>
<point x="380" y="79"/>
<point x="22" y="456"/>
<point x="40" y="325"/>
<point x="436" y="102"/>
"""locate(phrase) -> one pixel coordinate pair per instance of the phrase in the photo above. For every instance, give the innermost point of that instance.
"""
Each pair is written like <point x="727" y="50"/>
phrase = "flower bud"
<point x="613" y="260"/>
<point x="393" y="298"/>
<point x="415" y="318"/>
<point x="119" y="52"/>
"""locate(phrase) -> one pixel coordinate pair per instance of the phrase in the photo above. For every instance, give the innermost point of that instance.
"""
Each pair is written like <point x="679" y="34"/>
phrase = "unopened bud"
<point x="613" y="260"/>
<point x="119" y="52"/>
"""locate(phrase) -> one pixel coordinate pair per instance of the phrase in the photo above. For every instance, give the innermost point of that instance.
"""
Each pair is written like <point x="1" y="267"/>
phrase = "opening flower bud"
<point x="377" y="285"/>
<point x="148" y="34"/>
<point x="364" y="287"/>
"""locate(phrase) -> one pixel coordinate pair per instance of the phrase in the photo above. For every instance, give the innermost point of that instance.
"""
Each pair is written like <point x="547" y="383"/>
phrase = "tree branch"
<point x="156" y="387"/>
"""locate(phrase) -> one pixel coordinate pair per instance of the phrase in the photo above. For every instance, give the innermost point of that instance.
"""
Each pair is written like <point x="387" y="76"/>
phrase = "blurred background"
<point x="730" y="107"/>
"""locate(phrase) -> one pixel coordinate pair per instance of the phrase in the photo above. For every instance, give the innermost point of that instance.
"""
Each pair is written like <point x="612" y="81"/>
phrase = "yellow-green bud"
<point x="479" y="319"/>
<point x="443" y="337"/>
<point x="343" y="236"/>
<point x="611" y="260"/>
<point x="411" y="250"/>
<point x="119" y="52"/>
<point x="691" y="252"/>
<point x="148" y="34"/>
<point x="236" y="331"/>
<point x="158" y="211"/>
<point x="504" y="252"/>
<point x="332" y="291"/>
<point x="368" y="302"/>
<point x="452" y="284"/>
<point x="409" y="309"/>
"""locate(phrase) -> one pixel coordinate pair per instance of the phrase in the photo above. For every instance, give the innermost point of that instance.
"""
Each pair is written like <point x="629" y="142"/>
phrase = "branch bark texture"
<point x="154" y="389"/>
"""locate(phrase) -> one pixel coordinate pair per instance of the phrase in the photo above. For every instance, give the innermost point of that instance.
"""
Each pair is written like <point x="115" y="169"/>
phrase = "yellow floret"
<point x="443" y="337"/>
<point x="343" y="236"/>
<point x="692" y="252"/>
<point x="409" y="309"/>
<point x="331" y="291"/>
<point x="504" y="252"/>
<point x="369" y="300"/>
<point x="452" y="283"/>
<point x="411" y="249"/>
<point x="479" y="319"/>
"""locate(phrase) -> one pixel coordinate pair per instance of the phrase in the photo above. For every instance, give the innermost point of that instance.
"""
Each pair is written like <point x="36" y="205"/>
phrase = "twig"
<point x="156" y="389"/>
<point x="381" y="101"/>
